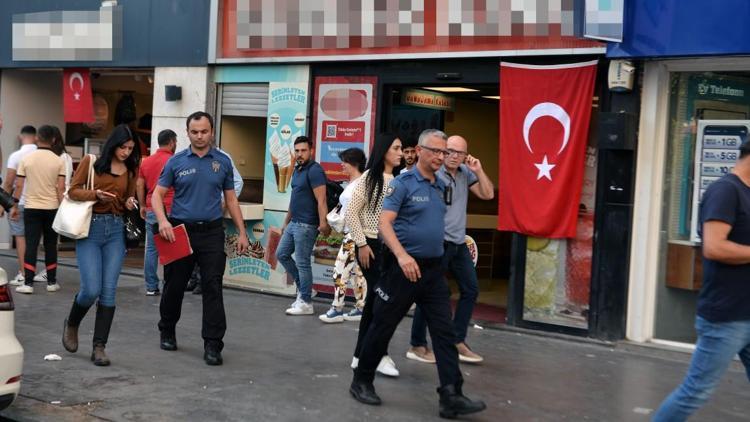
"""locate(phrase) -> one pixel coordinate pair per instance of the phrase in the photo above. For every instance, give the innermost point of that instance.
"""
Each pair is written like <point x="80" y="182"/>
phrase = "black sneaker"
<point x="154" y="292"/>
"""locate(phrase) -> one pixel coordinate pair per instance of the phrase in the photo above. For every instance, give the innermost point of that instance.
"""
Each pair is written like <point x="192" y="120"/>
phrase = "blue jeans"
<point x="298" y="239"/>
<point x="458" y="260"/>
<point x="716" y="347"/>
<point x="151" y="260"/>
<point x="100" y="259"/>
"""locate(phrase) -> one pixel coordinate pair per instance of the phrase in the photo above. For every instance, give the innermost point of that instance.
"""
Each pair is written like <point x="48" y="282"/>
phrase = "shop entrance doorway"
<point x="120" y="96"/>
<point x="469" y="110"/>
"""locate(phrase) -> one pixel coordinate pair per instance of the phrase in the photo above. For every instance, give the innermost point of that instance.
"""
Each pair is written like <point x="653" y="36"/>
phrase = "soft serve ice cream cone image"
<point x="286" y="168"/>
<point x="282" y="161"/>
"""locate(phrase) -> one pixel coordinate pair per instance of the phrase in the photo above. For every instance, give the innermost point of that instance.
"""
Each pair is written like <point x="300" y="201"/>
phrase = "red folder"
<point x="172" y="251"/>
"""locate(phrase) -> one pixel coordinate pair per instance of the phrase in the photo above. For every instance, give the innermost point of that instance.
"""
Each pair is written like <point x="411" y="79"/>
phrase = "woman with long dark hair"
<point x="362" y="218"/>
<point x="101" y="254"/>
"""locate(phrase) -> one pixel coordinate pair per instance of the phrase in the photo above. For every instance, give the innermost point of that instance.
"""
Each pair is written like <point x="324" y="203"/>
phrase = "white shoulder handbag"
<point x="336" y="219"/>
<point x="73" y="218"/>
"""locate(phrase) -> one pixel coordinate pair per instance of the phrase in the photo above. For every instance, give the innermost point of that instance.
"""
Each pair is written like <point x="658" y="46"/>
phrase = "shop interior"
<point x="694" y="96"/>
<point x="120" y="96"/>
<point x="242" y="137"/>
<point x="471" y="110"/>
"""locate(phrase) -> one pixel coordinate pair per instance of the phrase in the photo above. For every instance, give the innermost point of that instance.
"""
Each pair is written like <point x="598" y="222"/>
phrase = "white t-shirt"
<point x="68" y="168"/>
<point x="14" y="159"/>
<point x="346" y="197"/>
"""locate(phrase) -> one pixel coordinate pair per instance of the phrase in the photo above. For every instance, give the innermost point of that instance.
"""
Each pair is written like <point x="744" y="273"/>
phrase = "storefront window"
<point x="558" y="271"/>
<point x="696" y="99"/>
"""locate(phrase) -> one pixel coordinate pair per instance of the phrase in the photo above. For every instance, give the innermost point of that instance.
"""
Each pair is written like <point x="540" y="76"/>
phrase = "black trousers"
<point x="207" y="241"/>
<point x="372" y="276"/>
<point x="38" y="223"/>
<point x="394" y="296"/>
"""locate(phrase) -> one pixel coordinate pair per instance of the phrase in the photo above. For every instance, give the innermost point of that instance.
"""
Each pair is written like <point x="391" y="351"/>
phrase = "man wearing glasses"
<point x="460" y="173"/>
<point x="412" y="225"/>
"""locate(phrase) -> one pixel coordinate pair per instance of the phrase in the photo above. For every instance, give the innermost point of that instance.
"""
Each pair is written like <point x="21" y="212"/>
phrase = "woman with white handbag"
<point x="101" y="253"/>
<point x="346" y="269"/>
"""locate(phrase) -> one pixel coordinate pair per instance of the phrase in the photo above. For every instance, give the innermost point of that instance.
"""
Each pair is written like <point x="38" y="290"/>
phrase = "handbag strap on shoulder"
<point x="90" y="178"/>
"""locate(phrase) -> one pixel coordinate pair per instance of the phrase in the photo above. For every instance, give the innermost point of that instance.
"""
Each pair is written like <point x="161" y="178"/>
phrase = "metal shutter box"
<point x="249" y="100"/>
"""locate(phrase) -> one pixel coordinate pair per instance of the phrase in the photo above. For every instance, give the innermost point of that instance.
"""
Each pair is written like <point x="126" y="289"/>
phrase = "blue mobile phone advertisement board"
<point x="717" y="151"/>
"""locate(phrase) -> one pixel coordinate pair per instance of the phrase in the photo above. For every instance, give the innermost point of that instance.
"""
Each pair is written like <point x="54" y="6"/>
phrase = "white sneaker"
<point x="20" y="280"/>
<point x="301" y="308"/>
<point x="355" y="363"/>
<point x="41" y="276"/>
<point x="296" y="301"/>
<point x="294" y="304"/>
<point x="387" y="367"/>
<point x="53" y="287"/>
<point x="26" y="289"/>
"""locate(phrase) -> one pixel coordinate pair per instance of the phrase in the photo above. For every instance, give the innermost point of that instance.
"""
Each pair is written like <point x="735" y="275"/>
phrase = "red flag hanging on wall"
<point x="78" y="103"/>
<point x="544" y="123"/>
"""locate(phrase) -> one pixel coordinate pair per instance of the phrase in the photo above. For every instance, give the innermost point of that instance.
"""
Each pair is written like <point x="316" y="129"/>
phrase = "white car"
<point x="11" y="352"/>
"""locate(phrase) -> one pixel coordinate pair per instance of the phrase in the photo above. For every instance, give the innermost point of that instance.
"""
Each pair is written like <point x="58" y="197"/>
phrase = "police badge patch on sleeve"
<point x="389" y="191"/>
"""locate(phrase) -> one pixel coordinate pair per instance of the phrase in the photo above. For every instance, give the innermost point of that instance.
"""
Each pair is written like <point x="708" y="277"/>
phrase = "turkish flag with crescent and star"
<point x="544" y="125"/>
<point x="78" y="102"/>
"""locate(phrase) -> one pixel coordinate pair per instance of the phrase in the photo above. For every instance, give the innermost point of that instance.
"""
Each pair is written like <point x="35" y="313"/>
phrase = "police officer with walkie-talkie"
<point x="412" y="227"/>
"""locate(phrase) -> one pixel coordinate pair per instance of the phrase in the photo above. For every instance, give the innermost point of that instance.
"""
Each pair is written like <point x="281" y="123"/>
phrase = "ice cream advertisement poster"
<point x="258" y="267"/>
<point x="287" y="119"/>
<point x="344" y="114"/>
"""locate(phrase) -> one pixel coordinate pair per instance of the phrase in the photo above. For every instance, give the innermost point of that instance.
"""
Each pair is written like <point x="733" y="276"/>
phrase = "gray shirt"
<point x="457" y="195"/>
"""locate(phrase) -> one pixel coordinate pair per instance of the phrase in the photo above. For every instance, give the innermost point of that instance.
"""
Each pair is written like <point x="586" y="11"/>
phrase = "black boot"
<point x="104" y="316"/>
<point x="70" y="326"/>
<point x="168" y="341"/>
<point x="363" y="391"/>
<point x="212" y="353"/>
<point x="453" y="403"/>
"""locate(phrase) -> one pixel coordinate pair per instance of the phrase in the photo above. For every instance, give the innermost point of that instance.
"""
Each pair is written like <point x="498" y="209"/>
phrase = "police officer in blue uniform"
<point x="412" y="225"/>
<point x="200" y="175"/>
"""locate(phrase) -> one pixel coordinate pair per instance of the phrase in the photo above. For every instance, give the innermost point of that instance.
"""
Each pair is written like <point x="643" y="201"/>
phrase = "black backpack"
<point x="333" y="191"/>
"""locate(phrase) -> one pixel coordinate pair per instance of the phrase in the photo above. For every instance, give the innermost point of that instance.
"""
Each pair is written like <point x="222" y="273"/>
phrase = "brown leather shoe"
<point x="99" y="357"/>
<point x="70" y="337"/>
<point x="467" y="355"/>
<point x="421" y="354"/>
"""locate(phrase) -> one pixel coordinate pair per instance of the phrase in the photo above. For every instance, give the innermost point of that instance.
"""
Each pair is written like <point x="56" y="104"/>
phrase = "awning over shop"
<point x="673" y="28"/>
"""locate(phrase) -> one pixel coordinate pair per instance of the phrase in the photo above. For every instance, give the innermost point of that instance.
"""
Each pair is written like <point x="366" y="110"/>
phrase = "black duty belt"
<point x="422" y="262"/>
<point x="428" y="262"/>
<point x="199" y="226"/>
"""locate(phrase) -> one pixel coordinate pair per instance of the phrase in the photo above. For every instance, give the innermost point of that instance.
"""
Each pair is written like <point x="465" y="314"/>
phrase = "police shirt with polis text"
<point x="420" y="205"/>
<point x="198" y="184"/>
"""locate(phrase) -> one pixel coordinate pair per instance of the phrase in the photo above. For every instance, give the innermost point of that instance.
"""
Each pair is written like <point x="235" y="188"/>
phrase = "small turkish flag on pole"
<point x="544" y="123"/>
<point x="78" y="102"/>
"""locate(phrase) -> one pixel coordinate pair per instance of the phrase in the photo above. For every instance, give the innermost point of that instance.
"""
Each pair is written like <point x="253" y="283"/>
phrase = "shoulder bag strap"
<point x="90" y="178"/>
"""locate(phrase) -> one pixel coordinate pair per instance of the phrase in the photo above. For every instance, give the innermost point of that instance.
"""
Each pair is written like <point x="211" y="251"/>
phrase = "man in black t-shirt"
<point x="723" y="320"/>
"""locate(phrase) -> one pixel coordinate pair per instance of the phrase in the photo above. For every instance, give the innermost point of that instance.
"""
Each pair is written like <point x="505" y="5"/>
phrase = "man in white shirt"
<point x="27" y="139"/>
